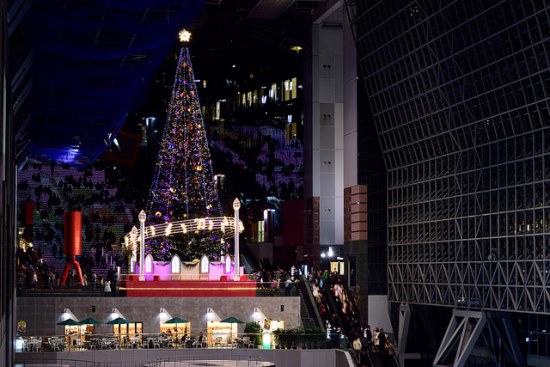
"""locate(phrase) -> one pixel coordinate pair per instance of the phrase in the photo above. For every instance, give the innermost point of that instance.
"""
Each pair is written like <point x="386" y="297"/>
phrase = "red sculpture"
<point x="73" y="243"/>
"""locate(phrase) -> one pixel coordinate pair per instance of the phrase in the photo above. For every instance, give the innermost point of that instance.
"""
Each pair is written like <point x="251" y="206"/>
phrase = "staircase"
<point x="309" y="314"/>
<point x="59" y="188"/>
<point x="308" y="321"/>
<point x="61" y="292"/>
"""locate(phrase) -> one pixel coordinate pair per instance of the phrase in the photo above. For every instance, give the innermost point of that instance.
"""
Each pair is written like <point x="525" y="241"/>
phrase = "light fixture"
<point x="330" y="252"/>
<point x="67" y="314"/>
<point x="258" y="315"/>
<point x="211" y="315"/>
<point x="164" y="315"/>
<point x="115" y="313"/>
<point x="142" y="216"/>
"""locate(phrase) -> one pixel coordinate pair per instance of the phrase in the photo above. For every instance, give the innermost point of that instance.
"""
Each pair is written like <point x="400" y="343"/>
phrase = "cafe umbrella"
<point x="232" y="320"/>
<point x="119" y="321"/>
<point x="68" y="322"/>
<point x="176" y="320"/>
<point x="90" y="321"/>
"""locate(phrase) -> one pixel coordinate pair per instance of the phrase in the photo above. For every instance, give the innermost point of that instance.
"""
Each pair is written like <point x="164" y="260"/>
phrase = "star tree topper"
<point x="184" y="35"/>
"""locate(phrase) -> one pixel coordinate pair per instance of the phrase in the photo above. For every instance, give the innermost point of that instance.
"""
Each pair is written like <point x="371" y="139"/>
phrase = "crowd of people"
<point x="342" y="318"/>
<point x="50" y="194"/>
<point x="276" y="279"/>
<point x="104" y="210"/>
<point x="375" y="341"/>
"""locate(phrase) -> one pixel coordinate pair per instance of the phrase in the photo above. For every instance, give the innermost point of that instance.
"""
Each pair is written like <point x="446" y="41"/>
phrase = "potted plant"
<point x="314" y="337"/>
<point x="276" y="334"/>
<point x="254" y="331"/>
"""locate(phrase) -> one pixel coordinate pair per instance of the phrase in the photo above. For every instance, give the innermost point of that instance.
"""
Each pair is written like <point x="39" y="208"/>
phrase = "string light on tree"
<point x="183" y="183"/>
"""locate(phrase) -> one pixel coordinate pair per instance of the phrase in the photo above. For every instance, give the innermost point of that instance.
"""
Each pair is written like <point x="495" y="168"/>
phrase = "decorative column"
<point x="141" y="218"/>
<point x="236" y="207"/>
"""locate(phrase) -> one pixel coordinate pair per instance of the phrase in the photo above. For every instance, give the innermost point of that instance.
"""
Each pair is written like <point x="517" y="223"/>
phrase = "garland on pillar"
<point x="183" y="184"/>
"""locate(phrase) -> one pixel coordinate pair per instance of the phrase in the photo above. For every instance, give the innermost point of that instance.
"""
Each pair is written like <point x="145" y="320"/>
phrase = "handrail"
<point x="81" y="343"/>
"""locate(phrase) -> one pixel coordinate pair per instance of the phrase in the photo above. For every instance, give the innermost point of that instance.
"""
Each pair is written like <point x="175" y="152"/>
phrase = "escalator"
<point x="335" y="309"/>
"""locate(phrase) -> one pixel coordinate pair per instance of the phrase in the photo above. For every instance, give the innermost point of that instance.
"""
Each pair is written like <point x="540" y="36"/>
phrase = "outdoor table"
<point x="163" y="341"/>
<point x="108" y="343"/>
<point x="94" y="343"/>
<point x="33" y="345"/>
<point x="153" y="343"/>
<point x="57" y="344"/>
<point x="134" y="341"/>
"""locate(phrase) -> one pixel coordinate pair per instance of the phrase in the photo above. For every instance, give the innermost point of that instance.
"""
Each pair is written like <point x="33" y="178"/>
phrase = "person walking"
<point x="375" y="340"/>
<point x="288" y="286"/>
<point x="367" y="334"/>
<point x="382" y="341"/>
<point x="107" y="288"/>
<point x="357" y="347"/>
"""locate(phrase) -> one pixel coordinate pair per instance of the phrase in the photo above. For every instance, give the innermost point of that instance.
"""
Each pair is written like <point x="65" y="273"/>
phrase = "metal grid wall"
<point x="460" y="97"/>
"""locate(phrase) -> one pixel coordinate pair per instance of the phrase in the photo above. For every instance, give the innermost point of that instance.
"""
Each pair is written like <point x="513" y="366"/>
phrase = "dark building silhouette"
<point x="460" y="100"/>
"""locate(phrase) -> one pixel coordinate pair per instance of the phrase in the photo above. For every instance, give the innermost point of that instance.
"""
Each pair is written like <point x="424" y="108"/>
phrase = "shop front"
<point x="129" y="333"/>
<point x="176" y="329"/>
<point x="221" y="333"/>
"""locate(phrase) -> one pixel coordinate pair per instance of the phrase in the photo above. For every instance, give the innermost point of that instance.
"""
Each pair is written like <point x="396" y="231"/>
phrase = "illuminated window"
<point x="205" y="264"/>
<point x="176" y="264"/>
<point x="261" y="231"/>
<point x="255" y="97"/>
<point x="217" y="113"/>
<point x="149" y="264"/>
<point x="290" y="89"/>
<point x="228" y="264"/>
<point x="293" y="88"/>
<point x="273" y="92"/>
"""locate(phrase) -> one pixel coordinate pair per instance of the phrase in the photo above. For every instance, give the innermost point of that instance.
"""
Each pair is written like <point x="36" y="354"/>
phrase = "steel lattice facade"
<point x="459" y="92"/>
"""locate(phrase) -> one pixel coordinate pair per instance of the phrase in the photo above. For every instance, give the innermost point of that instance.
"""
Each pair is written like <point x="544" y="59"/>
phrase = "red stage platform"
<point x="198" y="288"/>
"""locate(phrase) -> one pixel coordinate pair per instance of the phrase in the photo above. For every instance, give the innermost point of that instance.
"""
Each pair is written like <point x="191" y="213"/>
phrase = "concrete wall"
<point x="42" y="313"/>
<point x="124" y="358"/>
<point x="379" y="314"/>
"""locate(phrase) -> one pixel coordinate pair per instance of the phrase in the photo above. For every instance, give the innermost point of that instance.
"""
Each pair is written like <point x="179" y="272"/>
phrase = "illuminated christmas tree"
<point x="183" y="184"/>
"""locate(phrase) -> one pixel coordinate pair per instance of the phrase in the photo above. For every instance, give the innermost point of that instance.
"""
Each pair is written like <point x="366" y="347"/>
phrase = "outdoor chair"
<point x="55" y="344"/>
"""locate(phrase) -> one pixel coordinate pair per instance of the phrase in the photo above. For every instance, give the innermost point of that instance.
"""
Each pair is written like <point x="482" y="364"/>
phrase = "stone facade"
<point x="42" y="313"/>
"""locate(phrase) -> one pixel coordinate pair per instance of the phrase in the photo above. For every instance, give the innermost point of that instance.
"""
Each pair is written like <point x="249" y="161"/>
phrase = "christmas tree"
<point x="183" y="183"/>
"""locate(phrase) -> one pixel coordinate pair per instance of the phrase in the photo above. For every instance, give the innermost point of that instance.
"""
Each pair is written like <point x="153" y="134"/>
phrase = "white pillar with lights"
<point x="141" y="218"/>
<point x="236" y="207"/>
<point x="133" y="246"/>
